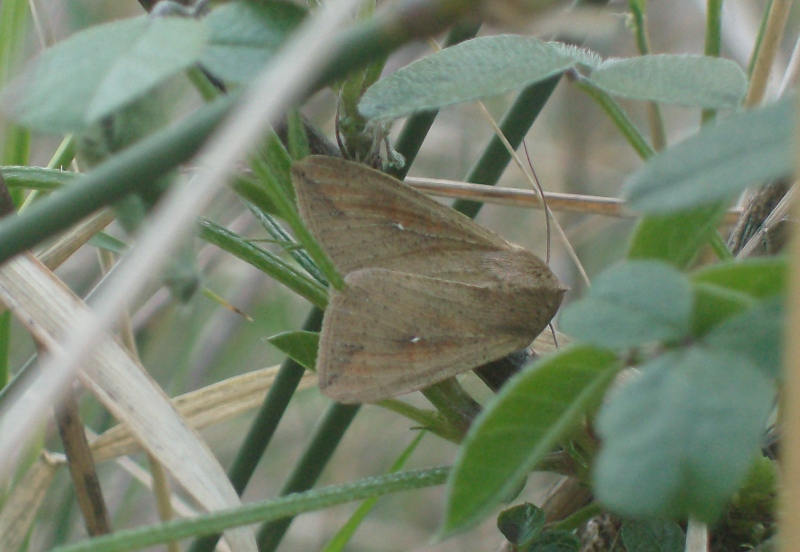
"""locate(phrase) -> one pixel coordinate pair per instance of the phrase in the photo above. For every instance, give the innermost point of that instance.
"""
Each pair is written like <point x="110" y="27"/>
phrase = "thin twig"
<point x="81" y="466"/>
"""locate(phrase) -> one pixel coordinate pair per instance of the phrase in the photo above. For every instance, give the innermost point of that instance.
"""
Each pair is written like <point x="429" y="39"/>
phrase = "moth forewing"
<point x="388" y="333"/>
<point x="364" y="218"/>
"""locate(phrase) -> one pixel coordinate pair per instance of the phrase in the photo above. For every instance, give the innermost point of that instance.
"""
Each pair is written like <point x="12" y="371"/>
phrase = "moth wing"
<point x="389" y="333"/>
<point x="365" y="218"/>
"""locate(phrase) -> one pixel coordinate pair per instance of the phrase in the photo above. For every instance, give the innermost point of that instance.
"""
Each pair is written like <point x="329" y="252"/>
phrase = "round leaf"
<point x="100" y="70"/>
<point x="679" y="439"/>
<point x="694" y="81"/>
<point x="243" y="36"/>
<point x="468" y="71"/>
<point x="755" y="334"/>
<point x="651" y="535"/>
<point x="632" y="304"/>
<point x="718" y="162"/>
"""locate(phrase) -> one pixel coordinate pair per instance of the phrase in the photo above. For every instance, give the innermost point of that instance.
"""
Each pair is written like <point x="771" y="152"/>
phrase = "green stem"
<point x="306" y="472"/>
<point x="617" y="116"/>
<point x="416" y="127"/>
<point x="134" y="168"/>
<point x="515" y="125"/>
<point x="577" y="519"/>
<point x="455" y="404"/>
<point x="719" y="247"/>
<point x="264" y="426"/>
<point x="15" y="140"/>
<point x="430" y="420"/>
<point x="762" y="29"/>
<point x="657" y="133"/>
<point x="259" y="511"/>
<point x="713" y="41"/>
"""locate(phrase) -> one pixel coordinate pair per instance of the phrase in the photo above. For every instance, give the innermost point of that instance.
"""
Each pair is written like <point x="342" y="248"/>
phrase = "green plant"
<point x="657" y="403"/>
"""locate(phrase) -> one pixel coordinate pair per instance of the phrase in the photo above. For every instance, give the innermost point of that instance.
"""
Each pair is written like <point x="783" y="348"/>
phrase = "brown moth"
<point x="428" y="293"/>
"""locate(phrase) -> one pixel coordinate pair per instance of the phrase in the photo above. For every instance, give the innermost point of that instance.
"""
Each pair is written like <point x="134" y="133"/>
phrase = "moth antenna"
<point x="547" y="212"/>
<point x="339" y="136"/>
<point x="553" y="331"/>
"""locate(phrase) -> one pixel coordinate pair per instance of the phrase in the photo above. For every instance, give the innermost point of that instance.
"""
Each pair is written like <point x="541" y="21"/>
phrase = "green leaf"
<point x="100" y="70"/>
<point x="675" y="238"/>
<point x="694" y="81"/>
<point x="632" y="304"/>
<point x="653" y="535"/>
<point x="718" y="162"/>
<point x="243" y="36"/>
<point x="520" y="426"/>
<point x="521" y="524"/>
<point x="758" y="277"/>
<point x="101" y="240"/>
<point x="474" y="69"/>
<point x="300" y="346"/>
<point x="251" y="190"/>
<point x="265" y="261"/>
<point x="756" y="334"/>
<point x="713" y="305"/>
<point x="679" y="439"/>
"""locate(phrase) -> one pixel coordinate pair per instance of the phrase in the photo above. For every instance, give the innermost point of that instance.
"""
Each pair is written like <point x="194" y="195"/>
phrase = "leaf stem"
<point x="264" y="426"/>
<point x="617" y="116"/>
<point x="657" y="134"/>
<point x="265" y="510"/>
<point x="713" y="42"/>
<point x="308" y="469"/>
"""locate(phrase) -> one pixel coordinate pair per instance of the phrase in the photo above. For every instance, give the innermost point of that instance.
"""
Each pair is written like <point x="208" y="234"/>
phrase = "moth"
<point x="428" y="293"/>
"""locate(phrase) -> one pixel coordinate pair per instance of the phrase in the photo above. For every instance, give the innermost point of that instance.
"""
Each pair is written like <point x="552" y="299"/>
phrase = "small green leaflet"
<point x="489" y="66"/>
<point x="100" y="70"/>
<point x="679" y="439"/>
<point x="635" y="303"/>
<point x="760" y="277"/>
<point x="718" y="162"/>
<point x="693" y="81"/>
<point x="300" y="346"/>
<point x="471" y="70"/>
<point x="243" y="36"/>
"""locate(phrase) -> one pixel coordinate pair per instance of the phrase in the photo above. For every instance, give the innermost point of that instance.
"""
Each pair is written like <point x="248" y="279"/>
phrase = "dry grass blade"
<point x="212" y="404"/>
<point x="54" y="256"/>
<point x="49" y="310"/>
<point x="22" y="505"/>
<point x="514" y="197"/>
<point x="276" y="89"/>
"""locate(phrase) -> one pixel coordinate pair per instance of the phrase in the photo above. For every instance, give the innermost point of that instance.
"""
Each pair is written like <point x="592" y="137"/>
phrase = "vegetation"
<point x="656" y="406"/>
